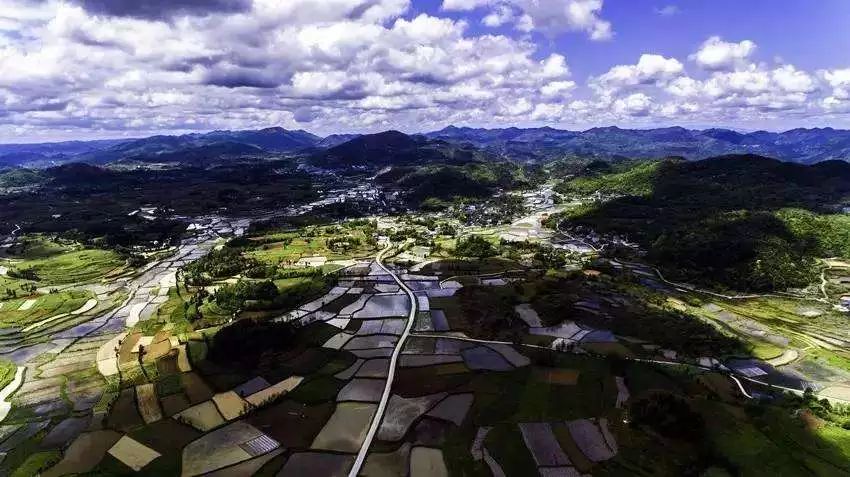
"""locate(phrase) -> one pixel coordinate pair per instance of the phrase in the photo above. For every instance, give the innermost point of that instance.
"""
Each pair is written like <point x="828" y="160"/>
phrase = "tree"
<point x="668" y="415"/>
<point x="475" y="246"/>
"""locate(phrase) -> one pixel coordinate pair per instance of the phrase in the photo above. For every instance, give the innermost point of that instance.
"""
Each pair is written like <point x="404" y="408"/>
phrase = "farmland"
<point x="416" y="346"/>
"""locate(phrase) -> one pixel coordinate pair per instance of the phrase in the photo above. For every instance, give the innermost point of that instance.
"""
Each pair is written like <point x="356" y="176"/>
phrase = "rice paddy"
<point x="459" y="403"/>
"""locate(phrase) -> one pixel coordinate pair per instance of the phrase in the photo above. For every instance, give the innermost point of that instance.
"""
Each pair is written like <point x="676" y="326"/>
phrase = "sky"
<point x="90" y="69"/>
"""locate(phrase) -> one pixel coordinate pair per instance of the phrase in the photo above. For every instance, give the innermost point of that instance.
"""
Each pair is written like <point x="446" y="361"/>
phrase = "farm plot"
<point x="402" y="412"/>
<point x="346" y="429"/>
<point x="543" y="445"/>
<point x="558" y="376"/>
<point x="148" y="403"/>
<point x="453" y="408"/>
<point x="371" y="342"/>
<point x="419" y="345"/>
<point x="363" y="390"/>
<point x="132" y="453"/>
<point x="439" y="320"/>
<point x="229" y="445"/>
<point x="38" y="311"/>
<point x="567" y="330"/>
<point x="426" y="461"/>
<point x="374" y="368"/>
<point x="318" y="463"/>
<point x="420" y="360"/>
<point x="528" y="315"/>
<point x="355" y="306"/>
<point x="370" y="327"/>
<point x="84" y="453"/>
<point x="384" y="306"/>
<point x="231" y="405"/>
<point x="275" y="391"/>
<point x="203" y="416"/>
<point x="388" y="464"/>
<point x="423" y="322"/>
<point x="338" y="340"/>
<point x="591" y="440"/>
<point x="484" y="358"/>
<point x="349" y="372"/>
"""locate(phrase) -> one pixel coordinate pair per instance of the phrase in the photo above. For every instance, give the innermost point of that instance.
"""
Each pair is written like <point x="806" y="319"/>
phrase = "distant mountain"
<point x="203" y="155"/>
<point x="269" y="139"/>
<point x="804" y="146"/>
<point x="335" y="140"/>
<point x="191" y="148"/>
<point x="393" y="148"/>
<point x="53" y="152"/>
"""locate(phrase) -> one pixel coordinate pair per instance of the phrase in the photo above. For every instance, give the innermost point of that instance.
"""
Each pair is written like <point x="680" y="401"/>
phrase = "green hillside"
<point x="740" y="222"/>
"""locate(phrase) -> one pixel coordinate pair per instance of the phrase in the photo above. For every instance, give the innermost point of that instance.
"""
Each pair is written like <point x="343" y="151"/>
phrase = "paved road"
<point x="385" y="397"/>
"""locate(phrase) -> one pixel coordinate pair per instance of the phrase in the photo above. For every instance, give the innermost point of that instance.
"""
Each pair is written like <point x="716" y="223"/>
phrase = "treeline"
<point x="740" y="222"/>
<point x="265" y="295"/>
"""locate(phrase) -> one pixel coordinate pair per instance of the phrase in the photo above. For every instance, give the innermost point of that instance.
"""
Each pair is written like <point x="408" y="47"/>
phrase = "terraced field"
<point x="489" y="381"/>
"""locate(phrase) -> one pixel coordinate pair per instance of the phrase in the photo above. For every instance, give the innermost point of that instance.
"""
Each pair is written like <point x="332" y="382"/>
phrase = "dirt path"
<point x="382" y="405"/>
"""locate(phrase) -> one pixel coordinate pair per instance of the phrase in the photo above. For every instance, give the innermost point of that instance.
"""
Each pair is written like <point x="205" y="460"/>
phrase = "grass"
<point x="36" y="463"/>
<point x="7" y="372"/>
<point x="73" y="266"/>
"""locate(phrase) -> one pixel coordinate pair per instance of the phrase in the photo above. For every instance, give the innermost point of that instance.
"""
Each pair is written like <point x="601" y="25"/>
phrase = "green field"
<point x="288" y="247"/>
<point x="45" y="306"/>
<point x="49" y="262"/>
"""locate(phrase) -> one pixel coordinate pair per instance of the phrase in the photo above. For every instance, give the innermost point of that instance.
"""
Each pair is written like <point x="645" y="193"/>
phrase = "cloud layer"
<point x="99" y="67"/>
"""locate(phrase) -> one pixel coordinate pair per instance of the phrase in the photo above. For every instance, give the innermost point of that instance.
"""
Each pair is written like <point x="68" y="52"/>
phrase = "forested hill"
<point x="740" y="222"/>
<point x="393" y="148"/>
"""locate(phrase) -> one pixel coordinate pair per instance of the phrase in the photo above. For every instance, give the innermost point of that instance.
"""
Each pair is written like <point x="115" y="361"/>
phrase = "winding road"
<point x="385" y="397"/>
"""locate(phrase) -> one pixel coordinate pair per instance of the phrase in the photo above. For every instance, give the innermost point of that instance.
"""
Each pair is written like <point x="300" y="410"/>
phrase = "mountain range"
<point x="805" y="146"/>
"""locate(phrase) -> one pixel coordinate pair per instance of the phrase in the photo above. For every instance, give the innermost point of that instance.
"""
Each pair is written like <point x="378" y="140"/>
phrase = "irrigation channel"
<point x="385" y="397"/>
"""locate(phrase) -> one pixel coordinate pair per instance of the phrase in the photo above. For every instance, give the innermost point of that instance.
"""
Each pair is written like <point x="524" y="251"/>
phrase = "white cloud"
<point x="557" y="88"/>
<point x="341" y="64"/>
<point x="361" y="65"/>
<point x="551" y="17"/>
<point x="649" y="70"/>
<point x="668" y="10"/>
<point x="637" y="104"/>
<point x="716" y="54"/>
<point x="501" y="15"/>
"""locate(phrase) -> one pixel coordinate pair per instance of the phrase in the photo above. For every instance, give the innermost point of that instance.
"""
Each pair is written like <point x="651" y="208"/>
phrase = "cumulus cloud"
<point x="162" y="8"/>
<point x="347" y="64"/>
<point x="716" y="54"/>
<point x="551" y="17"/>
<point x="361" y="65"/>
<point x="649" y="70"/>
<point x="839" y="84"/>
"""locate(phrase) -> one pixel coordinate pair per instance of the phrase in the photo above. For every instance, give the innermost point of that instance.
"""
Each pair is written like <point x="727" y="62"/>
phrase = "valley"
<point x="496" y="334"/>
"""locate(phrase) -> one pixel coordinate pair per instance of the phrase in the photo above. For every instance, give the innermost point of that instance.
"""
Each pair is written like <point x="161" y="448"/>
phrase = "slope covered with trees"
<point x="741" y="222"/>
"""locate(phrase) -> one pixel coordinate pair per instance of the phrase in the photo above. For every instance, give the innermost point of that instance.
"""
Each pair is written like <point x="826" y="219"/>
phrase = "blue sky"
<point x="80" y="69"/>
